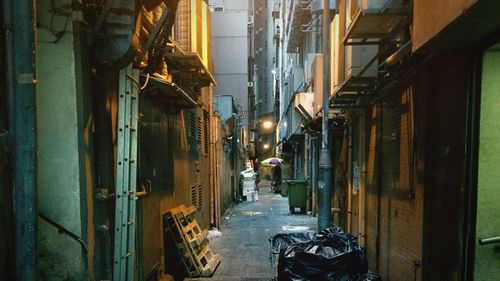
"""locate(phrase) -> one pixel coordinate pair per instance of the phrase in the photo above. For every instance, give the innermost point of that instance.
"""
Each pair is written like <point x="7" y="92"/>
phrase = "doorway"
<point x="486" y="230"/>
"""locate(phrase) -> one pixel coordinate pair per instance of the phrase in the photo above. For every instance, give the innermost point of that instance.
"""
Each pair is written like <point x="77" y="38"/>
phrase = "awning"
<point x="352" y="89"/>
<point x="303" y="105"/>
<point x="166" y="94"/>
<point x="189" y="66"/>
<point x="370" y="26"/>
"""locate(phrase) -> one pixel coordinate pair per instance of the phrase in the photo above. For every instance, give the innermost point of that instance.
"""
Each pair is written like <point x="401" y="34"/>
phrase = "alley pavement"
<point x="244" y="246"/>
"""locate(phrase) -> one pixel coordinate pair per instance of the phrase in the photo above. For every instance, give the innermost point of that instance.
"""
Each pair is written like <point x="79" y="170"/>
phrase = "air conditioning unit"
<point x="303" y="104"/>
<point x="381" y="4"/>
<point x="317" y="6"/>
<point x="357" y="57"/>
<point x="309" y="66"/>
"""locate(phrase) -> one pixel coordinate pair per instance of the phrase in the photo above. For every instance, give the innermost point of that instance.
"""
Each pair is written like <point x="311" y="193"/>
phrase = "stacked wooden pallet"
<point x="191" y="242"/>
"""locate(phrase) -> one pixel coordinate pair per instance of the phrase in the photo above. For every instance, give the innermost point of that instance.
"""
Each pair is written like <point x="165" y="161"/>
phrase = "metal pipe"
<point x="490" y="240"/>
<point x="397" y="56"/>
<point x="325" y="162"/>
<point x="314" y="174"/>
<point x="104" y="230"/>
<point x="349" y="176"/>
<point x="380" y="137"/>
<point x="362" y="177"/>
<point x="23" y="97"/>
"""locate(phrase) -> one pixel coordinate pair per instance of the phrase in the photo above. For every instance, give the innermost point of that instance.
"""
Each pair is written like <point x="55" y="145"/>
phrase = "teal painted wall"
<point x="487" y="263"/>
<point x="59" y="163"/>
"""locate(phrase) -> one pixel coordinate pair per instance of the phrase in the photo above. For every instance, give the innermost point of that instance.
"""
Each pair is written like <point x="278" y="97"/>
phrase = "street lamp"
<point x="268" y="124"/>
<point x="266" y="146"/>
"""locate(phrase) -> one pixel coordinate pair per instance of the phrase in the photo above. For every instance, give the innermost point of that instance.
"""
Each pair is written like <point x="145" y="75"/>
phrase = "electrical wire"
<point x="141" y="87"/>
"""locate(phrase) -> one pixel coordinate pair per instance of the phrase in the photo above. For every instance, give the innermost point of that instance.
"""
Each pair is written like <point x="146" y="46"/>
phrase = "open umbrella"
<point x="273" y="161"/>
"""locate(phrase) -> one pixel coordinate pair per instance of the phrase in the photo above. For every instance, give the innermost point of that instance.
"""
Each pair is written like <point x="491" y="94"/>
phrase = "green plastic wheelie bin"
<point x="297" y="195"/>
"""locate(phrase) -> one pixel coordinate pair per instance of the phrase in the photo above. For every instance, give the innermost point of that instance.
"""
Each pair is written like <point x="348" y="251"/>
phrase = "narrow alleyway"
<point x="244" y="245"/>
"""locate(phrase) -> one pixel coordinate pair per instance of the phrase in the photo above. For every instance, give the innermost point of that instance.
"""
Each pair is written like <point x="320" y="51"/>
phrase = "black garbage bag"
<point x="358" y="277"/>
<point x="329" y="254"/>
<point x="281" y="241"/>
<point x="290" y="276"/>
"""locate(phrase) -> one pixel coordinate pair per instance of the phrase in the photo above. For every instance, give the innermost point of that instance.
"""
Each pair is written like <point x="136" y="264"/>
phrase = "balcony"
<point x="303" y="105"/>
<point x="166" y="94"/>
<point x="351" y="90"/>
<point x="376" y="21"/>
<point x="299" y="14"/>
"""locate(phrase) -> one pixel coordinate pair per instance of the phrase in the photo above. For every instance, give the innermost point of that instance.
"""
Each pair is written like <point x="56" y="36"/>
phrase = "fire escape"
<point x="373" y="34"/>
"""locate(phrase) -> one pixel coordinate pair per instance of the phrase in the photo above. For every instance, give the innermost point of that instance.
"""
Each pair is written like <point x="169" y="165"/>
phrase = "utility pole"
<point x="325" y="163"/>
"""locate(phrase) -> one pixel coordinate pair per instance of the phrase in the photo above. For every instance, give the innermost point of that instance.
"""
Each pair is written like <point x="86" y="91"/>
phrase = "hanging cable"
<point x="141" y="87"/>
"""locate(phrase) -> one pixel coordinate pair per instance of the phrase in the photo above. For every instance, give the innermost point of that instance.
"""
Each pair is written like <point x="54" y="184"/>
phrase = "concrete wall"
<point x="223" y="169"/>
<point x="230" y="50"/>
<point x="430" y="17"/>
<point x="61" y="186"/>
<point x="487" y="262"/>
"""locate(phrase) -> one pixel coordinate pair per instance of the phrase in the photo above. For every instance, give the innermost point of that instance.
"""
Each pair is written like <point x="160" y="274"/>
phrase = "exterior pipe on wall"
<point x="22" y="101"/>
<point x="104" y="231"/>
<point x="349" y="176"/>
<point x="325" y="187"/>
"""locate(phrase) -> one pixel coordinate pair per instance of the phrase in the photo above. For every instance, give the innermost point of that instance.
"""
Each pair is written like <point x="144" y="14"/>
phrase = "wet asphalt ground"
<point x="244" y="246"/>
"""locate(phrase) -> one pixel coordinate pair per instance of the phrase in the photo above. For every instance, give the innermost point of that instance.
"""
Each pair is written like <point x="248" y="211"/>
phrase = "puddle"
<point x="292" y="228"/>
<point x="249" y="213"/>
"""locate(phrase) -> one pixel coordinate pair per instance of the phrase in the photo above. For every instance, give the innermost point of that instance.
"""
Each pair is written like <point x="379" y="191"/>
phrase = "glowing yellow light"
<point x="266" y="146"/>
<point x="267" y="124"/>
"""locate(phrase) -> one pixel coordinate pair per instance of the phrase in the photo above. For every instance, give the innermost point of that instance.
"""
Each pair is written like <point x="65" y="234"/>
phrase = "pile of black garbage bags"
<point x="329" y="255"/>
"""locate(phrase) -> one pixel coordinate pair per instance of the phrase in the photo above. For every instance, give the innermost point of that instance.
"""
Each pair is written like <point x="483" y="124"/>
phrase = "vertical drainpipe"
<point x="362" y="177"/>
<point x="325" y="187"/>
<point x="380" y="137"/>
<point x="21" y="56"/>
<point x="349" y="176"/>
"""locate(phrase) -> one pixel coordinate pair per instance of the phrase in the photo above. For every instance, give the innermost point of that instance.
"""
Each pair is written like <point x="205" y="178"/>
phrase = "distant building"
<point x="266" y="79"/>
<point x="230" y="51"/>
<point x="413" y="87"/>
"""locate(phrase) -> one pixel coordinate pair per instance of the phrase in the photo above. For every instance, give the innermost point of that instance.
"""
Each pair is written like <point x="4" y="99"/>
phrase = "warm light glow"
<point x="266" y="146"/>
<point x="267" y="124"/>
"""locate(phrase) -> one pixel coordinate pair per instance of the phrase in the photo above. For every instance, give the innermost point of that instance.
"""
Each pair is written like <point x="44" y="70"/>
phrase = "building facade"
<point x="410" y="128"/>
<point x="121" y="119"/>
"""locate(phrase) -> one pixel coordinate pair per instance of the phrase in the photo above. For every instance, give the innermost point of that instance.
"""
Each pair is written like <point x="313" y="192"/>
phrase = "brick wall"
<point x="421" y="124"/>
<point x="394" y="191"/>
